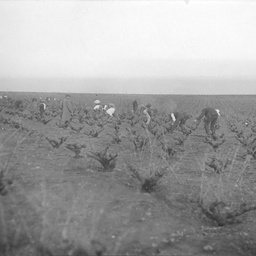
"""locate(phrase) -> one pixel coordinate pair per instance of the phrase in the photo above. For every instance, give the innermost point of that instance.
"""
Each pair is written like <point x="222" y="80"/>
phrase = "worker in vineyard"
<point x="110" y="110"/>
<point x="210" y="120"/>
<point x="97" y="106"/>
<point x="67" y="111"/>
<point x="33" y="107"/>
<point x="179" y="119"/>
<point x="42" y="107"/>
<point x="145" y="111"/>
<point x="135" y="106"/>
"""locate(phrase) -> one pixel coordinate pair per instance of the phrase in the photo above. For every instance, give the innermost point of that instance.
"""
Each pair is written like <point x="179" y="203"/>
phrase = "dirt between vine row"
<point x="55" y="197"/>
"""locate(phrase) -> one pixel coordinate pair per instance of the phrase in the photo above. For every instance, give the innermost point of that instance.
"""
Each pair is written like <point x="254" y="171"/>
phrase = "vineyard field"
<point x="116" y="186"/>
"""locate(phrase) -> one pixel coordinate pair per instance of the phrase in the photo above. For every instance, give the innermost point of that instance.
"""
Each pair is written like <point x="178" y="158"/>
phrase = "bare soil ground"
<point x="55" y="204"/>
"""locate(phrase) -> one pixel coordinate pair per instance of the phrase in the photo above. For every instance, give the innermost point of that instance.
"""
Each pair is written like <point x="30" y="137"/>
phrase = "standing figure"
<point x="34" y="106"/>
<point x="179" y="119"/>
<point x="42" y="107"/>
<point x="67" y="111"/>
<point x="135" y="106"/>
<point x="211" y="116"/>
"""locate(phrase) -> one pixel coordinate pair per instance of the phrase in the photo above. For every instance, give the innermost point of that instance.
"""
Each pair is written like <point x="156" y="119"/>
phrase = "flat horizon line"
<point x="162" y="94"/>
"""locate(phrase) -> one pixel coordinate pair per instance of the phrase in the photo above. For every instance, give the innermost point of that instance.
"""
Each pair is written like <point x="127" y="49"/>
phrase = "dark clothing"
<point x="181" y="119"/>
<point x="42" y="107"/>
<point x="135" y="106"/>
<point x="208" y="113"/>
<point x="210" y="120"/>
<point x="67" y="110"/>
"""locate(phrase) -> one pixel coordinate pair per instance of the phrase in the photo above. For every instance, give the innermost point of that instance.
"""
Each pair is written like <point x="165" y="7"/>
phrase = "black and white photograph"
<point x="128" y="128"/>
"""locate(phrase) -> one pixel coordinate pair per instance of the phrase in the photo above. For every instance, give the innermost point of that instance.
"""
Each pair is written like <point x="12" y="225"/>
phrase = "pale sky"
<point x="127" y="39"/>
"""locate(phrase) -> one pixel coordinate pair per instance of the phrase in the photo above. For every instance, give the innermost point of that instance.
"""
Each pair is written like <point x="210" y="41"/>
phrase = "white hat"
<point x="96" y="102"/>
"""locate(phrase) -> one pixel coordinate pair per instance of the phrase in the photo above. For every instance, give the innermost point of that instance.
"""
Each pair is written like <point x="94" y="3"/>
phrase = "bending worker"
<point x="144" y="110"/>
<point x="211" y="116"/>
<point x="110" y="110"/>
<point x="97" y="106"/>
<point x="179" y="119"/>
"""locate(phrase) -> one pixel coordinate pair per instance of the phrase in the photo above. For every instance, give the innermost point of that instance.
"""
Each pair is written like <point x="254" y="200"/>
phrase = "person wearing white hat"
<point x="97" y="105"/>
<point x="111" y="110"/>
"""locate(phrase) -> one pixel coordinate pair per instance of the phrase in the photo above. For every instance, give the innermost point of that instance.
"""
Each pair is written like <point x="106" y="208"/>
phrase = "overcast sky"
<point x="127" y="39"/>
